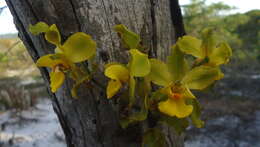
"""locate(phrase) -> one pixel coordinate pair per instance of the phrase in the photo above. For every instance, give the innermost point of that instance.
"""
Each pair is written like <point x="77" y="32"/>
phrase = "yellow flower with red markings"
<point x="177" y="80"/>
<point x="77" y="48"/>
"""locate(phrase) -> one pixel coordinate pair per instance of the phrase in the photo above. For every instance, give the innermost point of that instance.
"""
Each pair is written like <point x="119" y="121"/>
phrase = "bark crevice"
<point x="75" y="14"/>
<point x="153" y="51"/>
<point x="110" y="32"/>
<point x="62" y="119"/>
<point x="32" y="10"/>
<point x="176" y="17"/>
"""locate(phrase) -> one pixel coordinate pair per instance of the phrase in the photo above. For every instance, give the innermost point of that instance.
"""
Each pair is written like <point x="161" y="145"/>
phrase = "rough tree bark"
<point x="91" y="121"/>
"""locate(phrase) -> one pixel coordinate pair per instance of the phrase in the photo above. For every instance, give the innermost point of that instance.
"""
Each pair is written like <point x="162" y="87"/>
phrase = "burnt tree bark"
<point x="91" y="121"/>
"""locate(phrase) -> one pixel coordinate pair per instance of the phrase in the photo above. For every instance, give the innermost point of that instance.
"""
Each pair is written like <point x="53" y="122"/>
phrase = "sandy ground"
<point x="36" y="127"/>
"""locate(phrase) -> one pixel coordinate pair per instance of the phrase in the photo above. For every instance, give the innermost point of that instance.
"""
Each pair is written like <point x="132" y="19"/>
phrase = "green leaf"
<point x="158" y="96"/>
<point x="154" y="138"/>
<point x="136" y="116"/>
<point x="131" y="91"/>
<point x="76" y="86"/>
<point x="53" y="35"/>
<point x="130" y="39"/>
<point x="190" y="45"/>
<point x="79" y="47"/>
<point x="3" y="57"/>
<point x="38" y="28"/>
<point x="143" y="87"/>
<point x="179" y="125"/>
<point x="177" y="64"/>
<point x="202" y="76"/>
<point x="159" y="73"/>
<point x="139" y="65"/>
<point x="196" y="113"/>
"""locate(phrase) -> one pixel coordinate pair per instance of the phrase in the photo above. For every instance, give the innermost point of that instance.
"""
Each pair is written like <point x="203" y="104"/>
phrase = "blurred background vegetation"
<point x="20" y="81"/>
<point x="232" y="107"/>
<point x="239" y="92"/>
<point x="241" y="30"/>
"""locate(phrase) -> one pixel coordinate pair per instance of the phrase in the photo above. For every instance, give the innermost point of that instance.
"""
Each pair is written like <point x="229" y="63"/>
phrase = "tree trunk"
<point x="91" y="120"/>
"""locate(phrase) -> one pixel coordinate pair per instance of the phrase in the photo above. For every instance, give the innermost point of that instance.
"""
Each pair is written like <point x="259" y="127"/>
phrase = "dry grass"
<point x="16" y="60"/>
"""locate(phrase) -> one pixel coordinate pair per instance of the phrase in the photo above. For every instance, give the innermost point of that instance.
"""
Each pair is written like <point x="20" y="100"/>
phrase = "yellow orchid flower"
<point x="59" y="65"/>
<point x="177" y="81"/>
<point x="52" y="33"/>
<point x="139" y="66"/>
<point x="207" y="51"/>
<point x="118" y="74"/>
<point x="77" y="48"/>
<point x="130" y="39"/>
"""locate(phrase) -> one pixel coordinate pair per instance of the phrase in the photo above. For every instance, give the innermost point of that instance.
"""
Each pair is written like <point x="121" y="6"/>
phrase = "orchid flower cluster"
<point x="162" y="89"/>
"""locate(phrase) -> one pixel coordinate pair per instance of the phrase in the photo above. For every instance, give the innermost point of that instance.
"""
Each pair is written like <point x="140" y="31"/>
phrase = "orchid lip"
<point x="59" y="67"/>
<point x="175" y="96"/>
